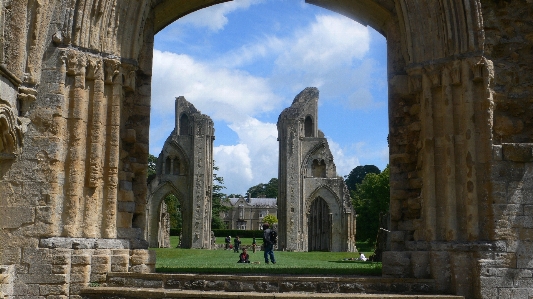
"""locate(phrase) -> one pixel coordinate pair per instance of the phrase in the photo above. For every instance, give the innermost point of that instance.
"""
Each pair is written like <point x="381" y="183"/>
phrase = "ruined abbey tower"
<point x="314" y="205"/>
<point x="185" y="169"/>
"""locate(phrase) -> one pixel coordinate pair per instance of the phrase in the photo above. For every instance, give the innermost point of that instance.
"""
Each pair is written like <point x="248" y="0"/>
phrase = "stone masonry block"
<point x="77" y="269"/>
<point x="60" y="269"/>
<point x="15" y="217"/>
<point x="420" y="264"/>
<point x="36" y="256"/>
<point x="42" y="278"/>
<point x="100" y="268"/>
<point x="142" y="256"/>
<point x="517" y="152"/>
<point x="81" y="260"/>
<point x="142" y="269"/>
<point x="11" y="256"/>
<point x="120" y="259"/>
<point x="124" y="219"/>
<point x="396" y="264"/>
<point x="100" y="259"/>
<point x="58" y="289"/>
<point x="80" y="278"/>
<point x="21" y="289"/>
<point x="98" y="277"/>
<point x="119" y="267"/>
<point x="513" y="293"/>
<point x="40" y="269"/>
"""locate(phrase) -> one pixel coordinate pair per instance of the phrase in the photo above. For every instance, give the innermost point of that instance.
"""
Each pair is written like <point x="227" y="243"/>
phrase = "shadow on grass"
<point x="369" y="270"/>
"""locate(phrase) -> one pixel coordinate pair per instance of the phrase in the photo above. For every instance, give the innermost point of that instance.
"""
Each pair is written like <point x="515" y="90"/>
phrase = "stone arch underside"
<point x="447" y="172"/>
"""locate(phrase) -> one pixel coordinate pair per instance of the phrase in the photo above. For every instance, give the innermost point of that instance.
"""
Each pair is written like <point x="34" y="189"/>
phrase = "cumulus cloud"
<point x="343" y="161"/>
<point x="224" y="94"/>
<point x="329" y="42"/>
<point x="214" y="17"/>
<point x="253" y="160"/>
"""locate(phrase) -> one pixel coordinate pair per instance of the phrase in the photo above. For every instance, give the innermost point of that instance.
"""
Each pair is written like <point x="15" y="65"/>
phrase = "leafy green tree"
<point x="269" y="190"/>
<point x="270" y="219"/>
<point x="371" y="198"/>
<point x="151" y="167"/>
<point x="357" y="175"/>
<point x="218" y="199"/>
<point x="174" y="211"/>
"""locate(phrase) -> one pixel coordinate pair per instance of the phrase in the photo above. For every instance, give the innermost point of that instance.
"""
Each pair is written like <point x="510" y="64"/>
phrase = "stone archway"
<point x="460" y="131"/>
<point x="156" y="199"/>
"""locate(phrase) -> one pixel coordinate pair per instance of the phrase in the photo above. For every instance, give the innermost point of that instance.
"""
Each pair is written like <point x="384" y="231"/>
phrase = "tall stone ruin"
<point x="315" y="212"/>
<point x="185" y="168"/>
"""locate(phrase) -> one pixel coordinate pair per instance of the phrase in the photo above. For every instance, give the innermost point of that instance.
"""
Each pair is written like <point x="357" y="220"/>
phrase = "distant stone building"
<point x="247" y="213"/>
<point x="184" y="168"/>
<point x="315" y="210"/>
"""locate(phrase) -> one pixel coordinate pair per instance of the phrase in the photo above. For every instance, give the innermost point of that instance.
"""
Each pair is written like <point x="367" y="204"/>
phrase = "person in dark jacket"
<point x="268" y="244"/>
<point x="236" y="244"/>
<point x="227" y="240"/>
<point x="244" y="257"/>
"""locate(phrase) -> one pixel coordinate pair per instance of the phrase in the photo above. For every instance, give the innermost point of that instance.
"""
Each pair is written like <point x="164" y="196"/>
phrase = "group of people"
<point x="269" y="240"/>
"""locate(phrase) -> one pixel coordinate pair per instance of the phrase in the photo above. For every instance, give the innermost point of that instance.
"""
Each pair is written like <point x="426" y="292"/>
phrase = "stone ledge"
<point x="272" y="283"/>
<point x="84" y="243"/>
<point x="113" y="292"/>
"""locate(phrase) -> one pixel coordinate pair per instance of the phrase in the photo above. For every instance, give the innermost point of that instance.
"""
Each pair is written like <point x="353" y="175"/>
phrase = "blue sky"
<point x="244" y="61"/>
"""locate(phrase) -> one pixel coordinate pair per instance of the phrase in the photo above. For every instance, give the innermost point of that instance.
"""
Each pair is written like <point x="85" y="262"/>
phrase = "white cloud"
<point x="224" y="94"/>
<point x="326" y="44"/>
<point x="214" y="17"/>
<point x="343" y="162"/>
<point x="253" y="160"/>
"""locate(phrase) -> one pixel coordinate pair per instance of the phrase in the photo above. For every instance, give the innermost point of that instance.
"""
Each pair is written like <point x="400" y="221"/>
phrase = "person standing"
<point x="227" y="240"/>
<point x="268" y="241"/>
<point x="236" y="244"/>
<point x="254" y="244"/>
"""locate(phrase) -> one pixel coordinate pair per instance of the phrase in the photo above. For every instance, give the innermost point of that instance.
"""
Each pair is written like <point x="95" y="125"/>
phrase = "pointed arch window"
<point x="308" y="126"/>
<point x="184" y="124"/>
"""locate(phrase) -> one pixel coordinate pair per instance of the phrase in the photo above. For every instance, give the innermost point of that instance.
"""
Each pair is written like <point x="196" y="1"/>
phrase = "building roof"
<point x="256" y="202"/>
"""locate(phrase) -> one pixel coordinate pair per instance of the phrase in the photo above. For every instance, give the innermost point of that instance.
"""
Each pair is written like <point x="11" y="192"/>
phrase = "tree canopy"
<point x="270" y="219"/>
<point x="371" y="198"/>
<point x="218" y="199"/>
<point x="268" y="190"/>
<point x="358" y="174"/>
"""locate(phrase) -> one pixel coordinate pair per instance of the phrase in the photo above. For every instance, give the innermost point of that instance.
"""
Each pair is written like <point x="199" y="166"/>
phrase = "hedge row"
<point x="228" y="232"/>
<point x="241" y="233"/>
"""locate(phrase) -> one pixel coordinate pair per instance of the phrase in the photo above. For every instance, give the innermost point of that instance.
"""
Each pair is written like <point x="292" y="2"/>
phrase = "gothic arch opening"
<point x="184" y="124"/>
<point x="319" y="226"/>
<point x="309" y="127"/>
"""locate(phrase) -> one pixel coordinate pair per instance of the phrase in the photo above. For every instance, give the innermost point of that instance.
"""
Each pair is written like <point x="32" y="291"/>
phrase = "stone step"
<point x="265" y="284"/>
<point x="142" y="293"/>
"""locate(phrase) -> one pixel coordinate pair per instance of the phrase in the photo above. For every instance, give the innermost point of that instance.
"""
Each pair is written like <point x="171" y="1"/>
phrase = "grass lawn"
<point x="177" y="260"/>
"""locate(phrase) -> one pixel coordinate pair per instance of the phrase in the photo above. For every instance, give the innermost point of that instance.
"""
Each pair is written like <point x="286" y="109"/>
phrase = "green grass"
<point x="177" y="260"/>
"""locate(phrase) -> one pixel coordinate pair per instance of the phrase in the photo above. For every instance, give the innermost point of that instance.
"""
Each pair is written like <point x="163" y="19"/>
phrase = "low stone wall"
<point x="61" y="267"/>
<point x="272" y="284"/>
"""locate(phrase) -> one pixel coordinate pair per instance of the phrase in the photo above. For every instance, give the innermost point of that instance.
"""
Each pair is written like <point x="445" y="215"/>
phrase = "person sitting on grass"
<point x="244" y="257"/>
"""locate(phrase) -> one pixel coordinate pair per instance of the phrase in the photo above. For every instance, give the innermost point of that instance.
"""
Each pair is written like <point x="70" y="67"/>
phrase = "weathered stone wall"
<point x="307" y="173"/>
<point x="185" y="168"/>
